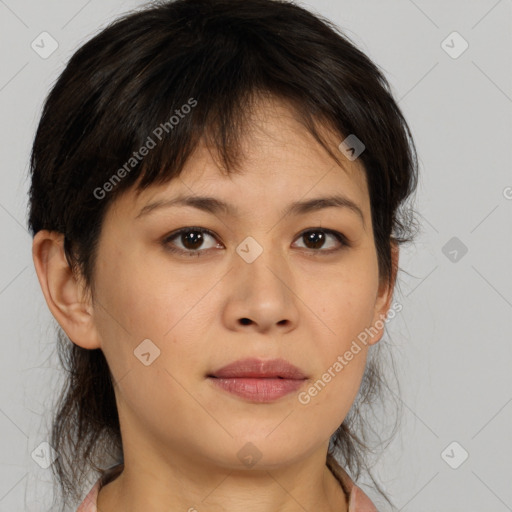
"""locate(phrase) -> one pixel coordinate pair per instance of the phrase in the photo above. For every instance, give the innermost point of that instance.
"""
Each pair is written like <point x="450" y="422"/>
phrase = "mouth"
<point x="258" y="380"/>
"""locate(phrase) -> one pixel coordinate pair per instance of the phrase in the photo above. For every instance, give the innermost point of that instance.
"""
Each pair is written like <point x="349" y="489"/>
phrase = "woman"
<point x="215" y="208"/>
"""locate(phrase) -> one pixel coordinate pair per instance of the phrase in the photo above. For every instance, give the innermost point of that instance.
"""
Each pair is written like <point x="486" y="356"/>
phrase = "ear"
<point x="64" y="293"/>
<point x="384" y="297"/>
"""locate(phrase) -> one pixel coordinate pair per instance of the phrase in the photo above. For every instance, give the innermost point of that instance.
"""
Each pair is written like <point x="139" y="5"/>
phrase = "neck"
<point x="185" y="486"/>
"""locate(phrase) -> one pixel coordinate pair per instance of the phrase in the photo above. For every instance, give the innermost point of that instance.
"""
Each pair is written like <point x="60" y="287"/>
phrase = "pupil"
<point x="192" y="239"/>
<point x="315" y="235"/>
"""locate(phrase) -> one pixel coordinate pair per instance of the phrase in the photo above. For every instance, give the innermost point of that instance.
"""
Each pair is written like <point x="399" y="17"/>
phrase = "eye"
<point x="191" y="239"/>
<point x="315" y="238"/>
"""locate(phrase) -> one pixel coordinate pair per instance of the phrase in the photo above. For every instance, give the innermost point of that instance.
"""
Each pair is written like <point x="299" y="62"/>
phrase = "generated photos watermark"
<point x="342" y="361"/>
<point x="151" y="142"/>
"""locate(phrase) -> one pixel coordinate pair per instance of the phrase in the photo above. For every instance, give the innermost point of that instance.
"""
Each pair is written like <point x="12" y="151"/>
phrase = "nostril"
<point x="245" y="321"/>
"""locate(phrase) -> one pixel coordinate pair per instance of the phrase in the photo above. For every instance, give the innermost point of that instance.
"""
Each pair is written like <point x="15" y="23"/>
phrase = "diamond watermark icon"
<point x="44" y="455"/>
<point x="249" y="454"/>
<point x="44" y="45"/>
<point x="352" y="147"/>
<point x="249" y="249"/>
<point x="146" y="352"/>
<point x="454" y="249"/>
<point x="454" y="45"/>
<point x="454" y="455"/>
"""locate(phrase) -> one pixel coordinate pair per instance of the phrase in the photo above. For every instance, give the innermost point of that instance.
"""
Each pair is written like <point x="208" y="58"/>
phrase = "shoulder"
<point x="89" y="502"/>
<point x="358" y="501"/>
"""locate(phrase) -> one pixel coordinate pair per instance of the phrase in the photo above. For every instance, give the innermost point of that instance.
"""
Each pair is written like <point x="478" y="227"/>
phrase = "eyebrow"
<point x="216" y="206"/>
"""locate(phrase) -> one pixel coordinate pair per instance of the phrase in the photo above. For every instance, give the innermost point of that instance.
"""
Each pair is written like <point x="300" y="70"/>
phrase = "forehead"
<point x="280" y="161"/>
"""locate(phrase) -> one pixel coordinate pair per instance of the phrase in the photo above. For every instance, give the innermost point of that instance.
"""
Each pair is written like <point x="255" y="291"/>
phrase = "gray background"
<point x="452" y="339"/>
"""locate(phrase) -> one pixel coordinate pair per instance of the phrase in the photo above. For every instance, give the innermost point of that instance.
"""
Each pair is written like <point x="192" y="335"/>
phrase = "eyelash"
<point x="199" y="252"/>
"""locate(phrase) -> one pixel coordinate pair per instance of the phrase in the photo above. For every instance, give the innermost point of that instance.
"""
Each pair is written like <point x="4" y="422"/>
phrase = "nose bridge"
<point x="263" y="291"/>
<point x="261" y="261"/>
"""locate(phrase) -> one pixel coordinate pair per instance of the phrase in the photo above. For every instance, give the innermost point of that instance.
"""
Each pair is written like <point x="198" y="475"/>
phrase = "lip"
<point x="259" y="380"/>
<point x="259" y="368"/>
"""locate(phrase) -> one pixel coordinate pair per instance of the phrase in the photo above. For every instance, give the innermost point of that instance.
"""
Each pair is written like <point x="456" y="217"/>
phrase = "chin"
<point x="264" y="453"/>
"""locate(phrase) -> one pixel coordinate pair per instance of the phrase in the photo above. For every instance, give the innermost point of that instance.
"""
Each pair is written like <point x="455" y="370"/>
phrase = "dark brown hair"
<point x="217" y="56"/>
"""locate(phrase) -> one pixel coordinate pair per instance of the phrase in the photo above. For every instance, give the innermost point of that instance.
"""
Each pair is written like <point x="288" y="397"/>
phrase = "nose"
<point x="262" y="295"/>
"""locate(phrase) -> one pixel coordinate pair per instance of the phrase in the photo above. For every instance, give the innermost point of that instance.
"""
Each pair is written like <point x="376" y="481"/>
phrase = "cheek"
<point x="161" y="306"/>
<point x="146" y="301"/>
<point x="346" y="311"/>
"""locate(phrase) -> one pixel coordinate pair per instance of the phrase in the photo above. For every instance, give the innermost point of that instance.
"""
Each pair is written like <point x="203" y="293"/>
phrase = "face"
<point x="247" y="281"/>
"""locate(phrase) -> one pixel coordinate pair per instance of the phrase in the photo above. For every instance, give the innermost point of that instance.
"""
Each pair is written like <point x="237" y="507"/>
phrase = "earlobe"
<point x="64" y="294"/>
<point x="384" y="297"/>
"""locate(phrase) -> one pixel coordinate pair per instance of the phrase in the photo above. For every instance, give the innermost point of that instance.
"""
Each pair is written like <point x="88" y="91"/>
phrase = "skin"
<point x="181" y="434"/>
